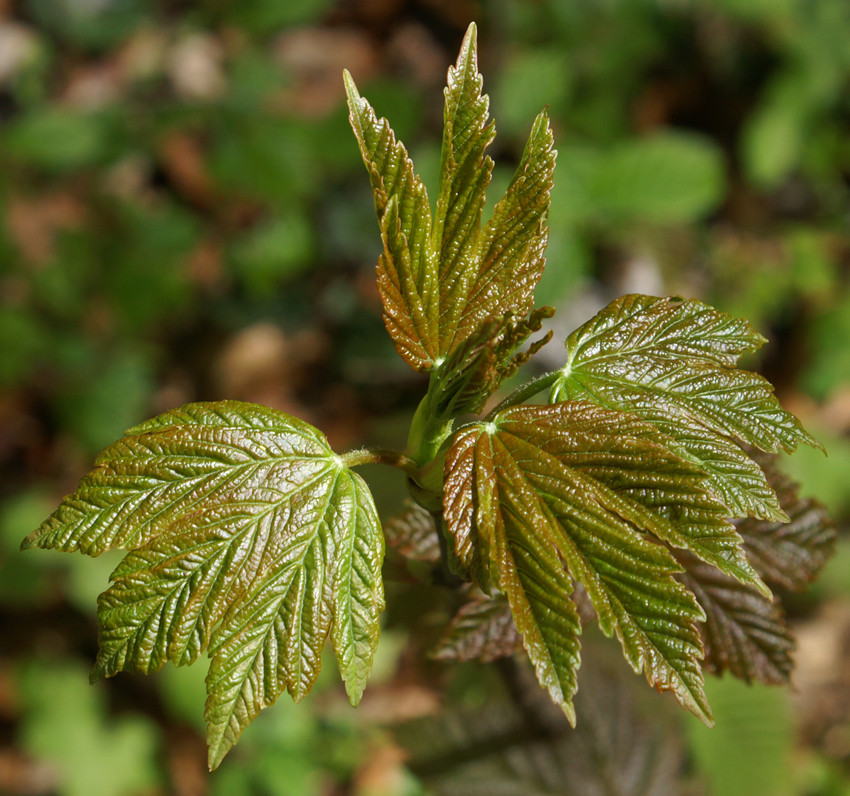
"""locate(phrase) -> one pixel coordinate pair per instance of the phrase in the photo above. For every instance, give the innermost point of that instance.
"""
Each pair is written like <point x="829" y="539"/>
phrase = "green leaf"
<point x="633" y="459"/>
<point x="671" y="178"/>
<point x="482" y="630"/>
<point x="526" y="518"/>
<point x="478" y="366"/>
<point x="509" y="257"/>
<point x="790" y="554"/>
<point x="65" y="726"/>
<point x="750" y="750"/>
<point x="442" y="278"/>
<point x="249" y="537"/>
<point x="671" y="362"/>
<point x="408" y="269"/>
<point x="744" y="632"/>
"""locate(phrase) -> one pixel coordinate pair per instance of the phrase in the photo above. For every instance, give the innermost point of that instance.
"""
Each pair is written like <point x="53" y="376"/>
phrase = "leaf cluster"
<point x="630" y="496"/>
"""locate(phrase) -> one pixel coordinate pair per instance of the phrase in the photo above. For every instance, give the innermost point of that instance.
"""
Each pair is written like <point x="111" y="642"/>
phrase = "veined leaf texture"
<point x="249" y="538"/>
<point x="641" y="489"/>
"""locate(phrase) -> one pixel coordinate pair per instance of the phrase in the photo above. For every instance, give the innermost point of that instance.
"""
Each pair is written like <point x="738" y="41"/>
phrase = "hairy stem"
<point x="379" y="456"/>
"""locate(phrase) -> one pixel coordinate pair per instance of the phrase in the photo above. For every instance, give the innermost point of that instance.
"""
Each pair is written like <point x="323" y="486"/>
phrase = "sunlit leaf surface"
<point x="672" y="363"/>
<point x="527" y="519"/>
<point x="248" y="537"/>
<point x="442" y="277"/>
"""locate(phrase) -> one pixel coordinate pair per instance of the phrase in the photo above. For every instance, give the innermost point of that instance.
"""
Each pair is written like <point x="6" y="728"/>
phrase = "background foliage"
<point x="184" y="217"/>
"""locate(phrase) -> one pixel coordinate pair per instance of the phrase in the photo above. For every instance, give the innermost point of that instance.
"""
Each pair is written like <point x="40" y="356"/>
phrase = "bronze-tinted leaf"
<point x="671" y="362"/>
<point x="744" y="632"/>
<point x="622" y="746"/>
<point x="791" y="554"/>
<point x="413" y="534"/>
<point x="533" y="522"/>
<point x="443" y="279"/>
<point x="249" y="537"/>
<point x="482" y="630"/>
<point x="666" y="494"/>
<point x="408" y="269"/>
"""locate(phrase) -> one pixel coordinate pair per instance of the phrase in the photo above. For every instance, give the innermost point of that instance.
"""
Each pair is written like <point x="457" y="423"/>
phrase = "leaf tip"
<point x="470" y="40"/>
<point x="350" y="87"/>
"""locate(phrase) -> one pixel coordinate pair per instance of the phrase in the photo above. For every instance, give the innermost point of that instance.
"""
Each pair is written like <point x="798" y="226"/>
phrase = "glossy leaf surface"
<point x="441" y="276"/>
<point x="248" y="537"/>
<point x="524" y="517"/>
<point x="672" y="362"/>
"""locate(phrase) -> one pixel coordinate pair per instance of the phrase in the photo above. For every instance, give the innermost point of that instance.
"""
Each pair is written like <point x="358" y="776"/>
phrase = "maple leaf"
<point x="413" y="534"/>
<point x="249" y="538"/>
<point x="482" y="630"/>
<point x="745" y="631"/>
<point x="672" y="362"/>
<point x="790" y="554"/>
<point x="526" y="519"/>
<point x="443" y="278"/>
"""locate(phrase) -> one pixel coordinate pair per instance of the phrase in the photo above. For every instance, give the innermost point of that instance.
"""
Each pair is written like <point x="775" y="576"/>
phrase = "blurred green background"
<point x="184" y="216"/>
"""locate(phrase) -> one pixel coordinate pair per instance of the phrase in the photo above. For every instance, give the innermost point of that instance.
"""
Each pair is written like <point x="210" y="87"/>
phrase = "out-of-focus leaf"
<point x="525" y="518"/>
<point x="65" y="726"/>
<point x="828" y="339"/>
<point x="25" y="343"/>
<point x="146" y="272"/>
<point x="482" y="630"/>
<point x="670" y="178"/>
<point x="274" y="253"/>
<point x="671" y="362"/>
<point x="744" y="632"/>
<point x="58" y="139"/>
<point x="109" y="400"/>
<point x="525" y="748"/>
<point x="531" y="79"/>
<point x="789" y="554"/>
<point x="413" y="534"/>
<point x="269" y="16"/>
<point x="94" y="25"/>
<point x="249" y="536"/>
<point x="442" y="278"/>
<point x="773" y="136"/>
<point x="749" y="750"/>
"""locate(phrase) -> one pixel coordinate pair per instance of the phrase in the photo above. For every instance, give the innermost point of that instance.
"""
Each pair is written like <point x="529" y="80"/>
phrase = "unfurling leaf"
<point x="744" y="632"/>
<point x="529" y="518"/>
<point x="482" y="630"/>
<point x="479" y="365"/>
<point x="671" y="362"/>
<point x="443" y="278"/>
<point x="789" y="555"/>
<point x="249" y="537"/>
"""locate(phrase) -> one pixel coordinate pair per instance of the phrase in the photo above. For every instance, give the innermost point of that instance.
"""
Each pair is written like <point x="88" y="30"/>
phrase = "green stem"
<point x="379" y="456"/>
<point x="427" y="431"/>
<point x="526" y="391"/>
